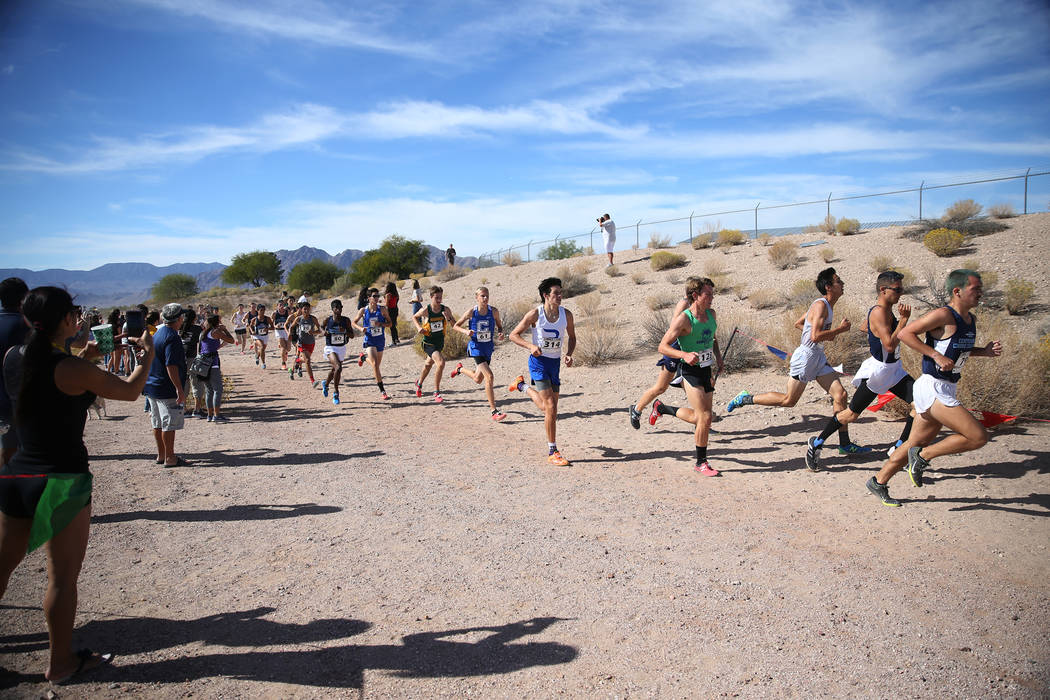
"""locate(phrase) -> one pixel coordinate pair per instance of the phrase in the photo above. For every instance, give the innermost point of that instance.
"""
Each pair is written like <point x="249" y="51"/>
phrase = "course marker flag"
<point x="776" y="351"/>
<point x="882" y="401"/>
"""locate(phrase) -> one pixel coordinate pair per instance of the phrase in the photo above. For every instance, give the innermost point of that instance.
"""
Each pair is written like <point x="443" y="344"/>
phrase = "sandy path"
<point x="408" y="549"/>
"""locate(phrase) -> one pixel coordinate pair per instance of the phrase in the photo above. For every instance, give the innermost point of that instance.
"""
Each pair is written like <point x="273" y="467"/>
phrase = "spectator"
<point x="450" y="255"/>
<point x="164" y="387"/>
<point x="191" y="336"/>
<point x="391" y="299"/>
<point x="608" y="236"/>
<point x="13" y="330"/>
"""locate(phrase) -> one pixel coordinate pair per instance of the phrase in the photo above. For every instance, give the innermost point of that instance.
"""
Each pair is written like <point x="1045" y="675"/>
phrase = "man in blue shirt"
<point x="13" y="331"/>
<point x="164" y="387"/>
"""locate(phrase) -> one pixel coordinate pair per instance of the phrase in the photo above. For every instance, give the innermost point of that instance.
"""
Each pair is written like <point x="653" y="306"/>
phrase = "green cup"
<point x="103" y="338"/>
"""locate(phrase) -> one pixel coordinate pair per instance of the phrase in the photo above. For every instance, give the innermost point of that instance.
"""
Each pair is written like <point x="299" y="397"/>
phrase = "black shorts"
<point x="864" y="396"/>
<point x="429" y="349"/>
<point x="699" y="377"/>
<point x="240" y="331"/>
<point x="19" y="495"/>
<point x="481" y="359"/>
<point x="670" y="364"/>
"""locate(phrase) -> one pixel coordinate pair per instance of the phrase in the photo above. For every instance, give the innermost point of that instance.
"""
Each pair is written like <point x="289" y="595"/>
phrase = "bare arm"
<point x="570" y="330"/>
<point x="75" y="375"/>
<point x="526" y="323"/>
<point x="679" y="327"/>
<point x="356" y="323"/>
<point x="499" y="322"/>
<point x="459" y="325"/>
<point x="909" y="335"/>
<point x="386" y="317"/>
<point x="817" y="314"/>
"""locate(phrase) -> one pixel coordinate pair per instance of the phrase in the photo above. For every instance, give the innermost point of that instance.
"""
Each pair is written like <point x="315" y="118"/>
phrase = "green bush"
<point x="731" y="237"/>
<point x="560" y="250"/>
<point x="1018" y="293"/>
<point x="256" y="267"/>
<point x="702" y="241"/>
<point x="943" y="241"/>
<point x="311" y="277"/>
<point x="847" y="226"/>
<point x="395" y="254"/>
<point x="173" y="287"/>
<point x="666" y="260"/>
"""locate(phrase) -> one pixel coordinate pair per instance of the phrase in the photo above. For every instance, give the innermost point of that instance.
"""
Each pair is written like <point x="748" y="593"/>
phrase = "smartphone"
<point x="135" y="322"/>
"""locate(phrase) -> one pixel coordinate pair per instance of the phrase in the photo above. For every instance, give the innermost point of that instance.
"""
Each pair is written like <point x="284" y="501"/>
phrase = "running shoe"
<point x="704" y="469"/>
<point x="300" y="370"/>
<point x="812" y="455"/>
<point x="654" y="414"/>
<point x="557" y="460"/>
<point x="360" y="359"/>
<point x="324" y="388"/>
<point x="916" y="465"/>
<point x="335" y="398"/>
<point x="284" y="366"/>
<point x="220" y="419"/>
<point x="882" y="491"/>
<point x="893" y="447"/>
<point x="291" y="373"/>
<point x="498" y="415"/>
<point x="211" y="419"/>
<point x="419" y="390"/>
<point x="636" y="417"/>
<point x="459" y="366"/>
<point x="518" y="384"/>
<point x="438" y="398"/>
<point x="256" y="359"/>
<point x="385" y="396"/>
<point x="264" y="365"/>
<point x="737" y="401"/>
<point x="853" y="449"/>
<point x="316" y="384"/>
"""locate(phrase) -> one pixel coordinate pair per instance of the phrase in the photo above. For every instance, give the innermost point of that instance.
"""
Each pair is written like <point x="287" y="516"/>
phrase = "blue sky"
<point x="191" y="130"/>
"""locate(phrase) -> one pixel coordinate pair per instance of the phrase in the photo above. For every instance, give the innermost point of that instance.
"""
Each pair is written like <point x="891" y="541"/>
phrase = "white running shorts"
<point x="928" y="389"/>
<point x="282" y="334"/>
<point x="881" y="376"/>
<point x="808" y="363"/>
<point x="337" y="350"/>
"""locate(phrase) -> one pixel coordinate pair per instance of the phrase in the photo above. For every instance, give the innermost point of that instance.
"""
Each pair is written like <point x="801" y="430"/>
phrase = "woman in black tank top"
<point x="53" y="396"/>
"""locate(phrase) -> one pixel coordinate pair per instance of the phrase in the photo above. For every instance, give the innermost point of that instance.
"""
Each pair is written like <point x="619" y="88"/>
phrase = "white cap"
<point x="304" y="300"/>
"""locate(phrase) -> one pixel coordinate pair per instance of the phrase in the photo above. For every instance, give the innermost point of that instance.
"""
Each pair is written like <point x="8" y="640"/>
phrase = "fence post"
<point x="1026" y="190"/>
<point x="756" y="219"/>
<point x="691" y="227"/>
<point x="920" y="199"/>
<point x="829" y="207"/>
<point x="636" y="242"/>
<point x="592" y="241"/>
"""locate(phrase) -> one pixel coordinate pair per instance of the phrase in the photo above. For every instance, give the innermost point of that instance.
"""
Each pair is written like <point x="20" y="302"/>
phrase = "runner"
<point x="337" y="330"/>
<point x="882" y="371"/>
<point x="809" y="362"/>
<point x="437" y="316"/>
<point x="280" y="318"/>
<point x="482" y="319"/>
<point x="551" y="326"/>
<point x="951" y="332"/>
<point x="259" y="326"/>
<point x="669" y="372"/>
<point x="306" y="327"/>
<point x="240" y="327"/>
<point x="371" y="320"/>
<point x="694" y="330"/>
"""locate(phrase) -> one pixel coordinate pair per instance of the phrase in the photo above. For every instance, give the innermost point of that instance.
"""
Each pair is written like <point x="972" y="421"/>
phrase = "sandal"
<point x="86" y="656"/>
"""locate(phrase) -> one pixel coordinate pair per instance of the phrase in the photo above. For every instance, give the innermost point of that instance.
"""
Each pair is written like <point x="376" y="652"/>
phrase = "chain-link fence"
<point x="749" y="220"/>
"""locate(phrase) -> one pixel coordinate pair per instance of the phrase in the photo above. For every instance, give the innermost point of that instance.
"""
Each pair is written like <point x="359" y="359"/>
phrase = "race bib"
<point x="437" y="326"/>
<point x="706" y="358"/>
<point x="550" y="344"/>
<point x="304" y="328"/>
<point x="338" y="339"/>
<point x="375" y="331"/>
<point x="483" y="336"/>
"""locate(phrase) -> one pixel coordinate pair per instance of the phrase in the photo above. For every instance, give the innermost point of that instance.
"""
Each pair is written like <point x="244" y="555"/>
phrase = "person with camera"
<point x="206" y="367"/>
<point x="164" y="386"/>
<point x="605" y="222"/>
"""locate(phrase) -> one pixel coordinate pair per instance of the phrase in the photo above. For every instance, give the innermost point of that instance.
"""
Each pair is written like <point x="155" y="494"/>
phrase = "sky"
<point x="168" y="131"/>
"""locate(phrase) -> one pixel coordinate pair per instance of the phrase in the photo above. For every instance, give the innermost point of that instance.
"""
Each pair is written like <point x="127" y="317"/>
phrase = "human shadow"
<point x="423" y="655"/>
<point x="1042" y="500"/>
<point x="270" y="458"/>
<point x="1037" y="462"/>
<point x="228" y="514"/>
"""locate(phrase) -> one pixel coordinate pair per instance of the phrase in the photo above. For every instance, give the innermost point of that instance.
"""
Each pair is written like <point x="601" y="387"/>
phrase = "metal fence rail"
<point x="534" y="247"/>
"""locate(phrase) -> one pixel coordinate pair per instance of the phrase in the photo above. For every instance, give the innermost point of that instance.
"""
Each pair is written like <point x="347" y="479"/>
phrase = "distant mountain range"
<point x="122" y="284"/>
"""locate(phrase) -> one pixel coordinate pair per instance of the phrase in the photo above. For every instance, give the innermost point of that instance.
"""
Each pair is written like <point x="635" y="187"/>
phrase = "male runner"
<point x="371" y="319"/>
<point x="337" y="330"/>
<point x="951" y="333"/>
<point x="669" y="371"/>
<point x="551" y="326"/>
<point x="694" y="331"/>
<point x="240" y="327"/>
<point x="259" y="327"/>
<point x="431" y="321"/>
<point x="306" y="327"/>
<point x="809" y="362"/>
<point x="879" y="373"/>
<point x="280" y="318"/>
<point x="478" y="324"/>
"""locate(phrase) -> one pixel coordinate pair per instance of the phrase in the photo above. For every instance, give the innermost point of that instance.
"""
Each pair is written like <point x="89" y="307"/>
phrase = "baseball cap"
<point x="172" y="311"/>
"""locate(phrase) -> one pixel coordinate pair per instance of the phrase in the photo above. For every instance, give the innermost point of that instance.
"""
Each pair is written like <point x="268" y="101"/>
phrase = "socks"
<point x="747" y="400"/>
<point x="380" y="386"/>
<point x="552" y="448"/>
<point x="831" y="426"/>
<point x="701" y="454"/>
<point x="907" y="430"/>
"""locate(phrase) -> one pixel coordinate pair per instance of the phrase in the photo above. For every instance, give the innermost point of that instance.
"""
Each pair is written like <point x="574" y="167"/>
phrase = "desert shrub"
<point x="969" y="227"/>
<point x="943" y="241"/>
<point x="851" y="347"/>
<point x="613" y="271"/>
<point x="559" y="250"/>
<point x="827" y="254"/>
<point x="715" y="269"/>
<point x="657" y="241"/>
<point x="452" y="272"/>
<point x="784" y="254"/>
<point x="664" y="300"/>
<point x="512" y="258"/>
<point x="601" y="341"/>
<point x="907" y="278"/>
<point x="702" y="241"/>
<point x="405" y="329"/>
<point x="573" y="283"/>
<point x="341" y="285"/>
<point x="765" y="299"/>
<point x="455" y="343"/>
<point x="589" y="304"/>
<point x="1002" y="211"/>
<point x="512" y="313"/>
<point x="881" y="263"/>
<point x="765" y="239"/>
<point x="828" y="224"/>
<point x="583" y="267"/>
<point x="638" y="277"/>
<point x="847" y="226"/>
<point x="417" y="275"/>
<point x="603" y="289"/>
<point x="673" y="279"/>
<point x="730" y="236"/>
<point x="738" y="290"/>
<point x="1018" y="293"/>
<point x="666" y="260"/>
<point x="961" y="211"/>
<point x="743" y="353"/>
<point x="654" y="326"/>
<point x="801" y="293"/>
<point x="932" y="293"/>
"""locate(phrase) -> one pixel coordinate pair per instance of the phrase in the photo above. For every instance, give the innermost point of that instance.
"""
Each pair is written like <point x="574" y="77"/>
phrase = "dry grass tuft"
<point x="638" y="277"/>
<point x="1019" y="293"/>
<point x="573" y="281"/>
<point x="961" y="211"/>
<point x="656" y="241"/>
<point x="765" y="239"/>
<point x="730" y="236"/>
<point x="765" y="299"/>
<point x="455" y="344"/>
<point x="702" y="241"/>
<point x="589" y="304"/>
<point x="784" y="255"/>
<point x="613" y="271"/>
<point x="847" y="226"/>
<point x="601" y="341"/>
<point x="827" y="254"/>
<point x="881" y="263"/>
<point x="1002" y="211"/>
<point x="666" y="260"/>
<point x="654" y="326"/>
<point x="743" y="353"/>
<point x="452" y="272"/>
<point x="512" y="314"/>
<point x="512" y="259"/>
<point x="663" y="300"/>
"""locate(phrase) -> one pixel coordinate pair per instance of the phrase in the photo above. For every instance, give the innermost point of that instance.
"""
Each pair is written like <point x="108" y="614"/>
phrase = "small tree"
<point x="560" y="250"/>
<point x="313" y="276"/>
<point x="174" y="286"/>
<point x="396" y="254"/>
<point x="256" y="268"/>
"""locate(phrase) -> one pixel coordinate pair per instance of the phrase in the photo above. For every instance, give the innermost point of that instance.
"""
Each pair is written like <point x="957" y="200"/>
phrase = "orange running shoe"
<point x="557" y="460"/>
<point x="516" y="386"/>
<point x="459" y="366"/>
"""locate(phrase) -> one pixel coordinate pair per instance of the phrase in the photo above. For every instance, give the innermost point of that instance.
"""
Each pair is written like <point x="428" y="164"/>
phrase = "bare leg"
<point x="14" y="539"/>
<point x="775" y="398"/>
<point x="159" y="437"/>
<point x="663" y="380"/>
<point x="969" y="433"/>
<point x="923" y="431"/>
<point x="65" y="555"/>
<point x="169" y="447"/>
